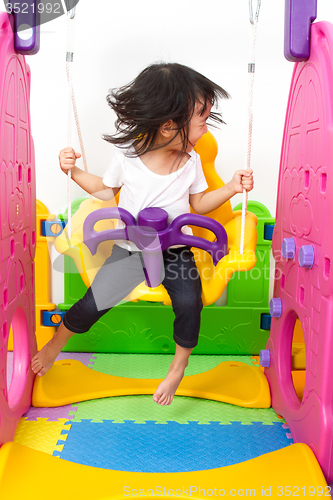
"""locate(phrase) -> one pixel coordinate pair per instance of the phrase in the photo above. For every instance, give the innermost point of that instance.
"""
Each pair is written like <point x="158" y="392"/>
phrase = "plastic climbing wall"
<point x="303" y="251"/>
<point x="17" y="232"/>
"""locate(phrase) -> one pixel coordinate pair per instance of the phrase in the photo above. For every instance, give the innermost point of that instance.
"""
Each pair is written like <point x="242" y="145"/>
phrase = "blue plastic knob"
<point x="288" y="248"/>
<point x="306" y="256"/>
<point x="265" y="358"/>
<point x="275" y="308"/>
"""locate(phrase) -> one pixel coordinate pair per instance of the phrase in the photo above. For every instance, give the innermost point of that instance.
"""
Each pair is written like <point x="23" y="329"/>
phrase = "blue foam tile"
<point x="171" y="447"/>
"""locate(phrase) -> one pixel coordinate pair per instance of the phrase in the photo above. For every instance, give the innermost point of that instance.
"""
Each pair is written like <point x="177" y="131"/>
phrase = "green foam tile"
<point x="182" y="410"/>
<point x="156" y="365"/>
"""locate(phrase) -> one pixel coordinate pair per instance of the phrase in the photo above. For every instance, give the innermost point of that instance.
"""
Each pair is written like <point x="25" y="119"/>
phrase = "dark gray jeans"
<point x="123" y="271"/>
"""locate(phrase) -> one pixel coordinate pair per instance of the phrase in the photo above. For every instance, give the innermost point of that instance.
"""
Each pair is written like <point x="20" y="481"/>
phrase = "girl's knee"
<point x="190" y="303"/>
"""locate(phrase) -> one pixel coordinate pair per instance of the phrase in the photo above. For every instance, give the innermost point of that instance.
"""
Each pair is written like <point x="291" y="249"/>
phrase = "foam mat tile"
<point x="41" y="434"/>
<point x="52" y="414"/>
<point x="118" y="432"/>
<point x="182" y="410"/>
<point x="168" y="448"/>
<point x="156" y="365"/>
<point x="84" y="357"/>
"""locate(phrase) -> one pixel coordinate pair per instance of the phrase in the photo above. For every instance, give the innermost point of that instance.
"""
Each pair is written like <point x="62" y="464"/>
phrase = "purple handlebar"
<point x="153" y="235"/>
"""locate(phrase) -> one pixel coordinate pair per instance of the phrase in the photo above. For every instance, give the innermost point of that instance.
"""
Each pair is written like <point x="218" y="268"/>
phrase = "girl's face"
<point x="197" y="128"/>
<point x="198" y="125"/>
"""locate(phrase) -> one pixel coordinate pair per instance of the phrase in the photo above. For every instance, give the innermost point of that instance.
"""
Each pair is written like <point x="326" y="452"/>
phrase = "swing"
<point x="214" y="278"/>
<point x="240" y="226"/>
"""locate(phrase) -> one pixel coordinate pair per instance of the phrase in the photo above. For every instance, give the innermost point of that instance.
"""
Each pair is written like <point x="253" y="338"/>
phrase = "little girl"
<point x="160" y="117"/>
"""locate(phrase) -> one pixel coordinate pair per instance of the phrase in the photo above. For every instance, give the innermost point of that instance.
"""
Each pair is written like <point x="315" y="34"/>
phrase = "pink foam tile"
<point x="52" y="414"/>
<point x="84" y="357"/>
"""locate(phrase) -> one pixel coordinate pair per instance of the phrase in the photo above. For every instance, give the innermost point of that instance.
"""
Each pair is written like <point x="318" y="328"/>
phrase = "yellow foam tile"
<point x="41" y="435"/>
<point x="70" y="381"/>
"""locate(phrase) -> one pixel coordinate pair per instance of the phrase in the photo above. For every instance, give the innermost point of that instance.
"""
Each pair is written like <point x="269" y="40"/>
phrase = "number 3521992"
<point x="41" y="8"/>
<point x="304" y="491"/>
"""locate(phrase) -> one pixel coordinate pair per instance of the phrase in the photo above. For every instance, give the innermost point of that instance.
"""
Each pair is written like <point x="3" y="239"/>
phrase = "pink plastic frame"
<point x="17" y="233"/>
<point x="305" y="213"/>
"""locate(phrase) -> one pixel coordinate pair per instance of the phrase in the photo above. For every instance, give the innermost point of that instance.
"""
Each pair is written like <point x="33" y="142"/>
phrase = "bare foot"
<point x="166" y="390"/>
<point x="45" y="358"/>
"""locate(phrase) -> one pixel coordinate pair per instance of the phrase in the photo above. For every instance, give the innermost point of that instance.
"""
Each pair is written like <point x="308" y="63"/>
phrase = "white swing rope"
<point x="251" y="75"/>
<point x="72" y="109"/>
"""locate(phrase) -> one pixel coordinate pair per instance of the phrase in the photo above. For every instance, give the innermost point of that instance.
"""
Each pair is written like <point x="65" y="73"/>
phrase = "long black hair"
<point x="161" y="92"/>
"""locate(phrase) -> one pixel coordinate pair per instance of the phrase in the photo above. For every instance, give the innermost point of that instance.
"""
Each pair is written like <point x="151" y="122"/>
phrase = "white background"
<point x="115" y="40"/>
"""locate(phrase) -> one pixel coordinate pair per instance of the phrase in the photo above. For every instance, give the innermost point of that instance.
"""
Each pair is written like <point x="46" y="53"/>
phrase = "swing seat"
<point x="214" y="278"/>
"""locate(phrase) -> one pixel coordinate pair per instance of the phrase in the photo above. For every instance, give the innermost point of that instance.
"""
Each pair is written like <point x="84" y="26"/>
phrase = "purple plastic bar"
<point x="288" y="248"/>
<point x="153" y="235"/>
<point x="265" y="358"/>
<point x="275" y="307"/>
<point x="299" y="14"/>
<point x="306" y="256"/>
<point x="27" y="16"/>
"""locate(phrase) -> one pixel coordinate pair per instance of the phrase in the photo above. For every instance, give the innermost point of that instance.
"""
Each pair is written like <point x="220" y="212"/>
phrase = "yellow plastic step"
<point x="70" y="381"/>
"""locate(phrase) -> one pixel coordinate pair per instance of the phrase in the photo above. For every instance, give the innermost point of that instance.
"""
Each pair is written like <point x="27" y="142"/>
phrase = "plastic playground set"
<point x="253" y="415"/>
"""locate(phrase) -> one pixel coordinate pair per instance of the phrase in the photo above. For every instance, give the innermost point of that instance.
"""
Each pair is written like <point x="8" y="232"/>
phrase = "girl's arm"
<point x="92" y="184"/>
<point x="203" y="203"/>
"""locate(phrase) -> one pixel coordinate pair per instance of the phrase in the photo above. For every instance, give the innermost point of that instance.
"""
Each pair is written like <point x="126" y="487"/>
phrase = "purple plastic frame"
<point x="28" y="16"/>
<point x="299" y="14"/>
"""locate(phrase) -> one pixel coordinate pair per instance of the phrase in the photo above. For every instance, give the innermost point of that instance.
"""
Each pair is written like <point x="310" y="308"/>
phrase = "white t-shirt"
<point x="141" y="188"/>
